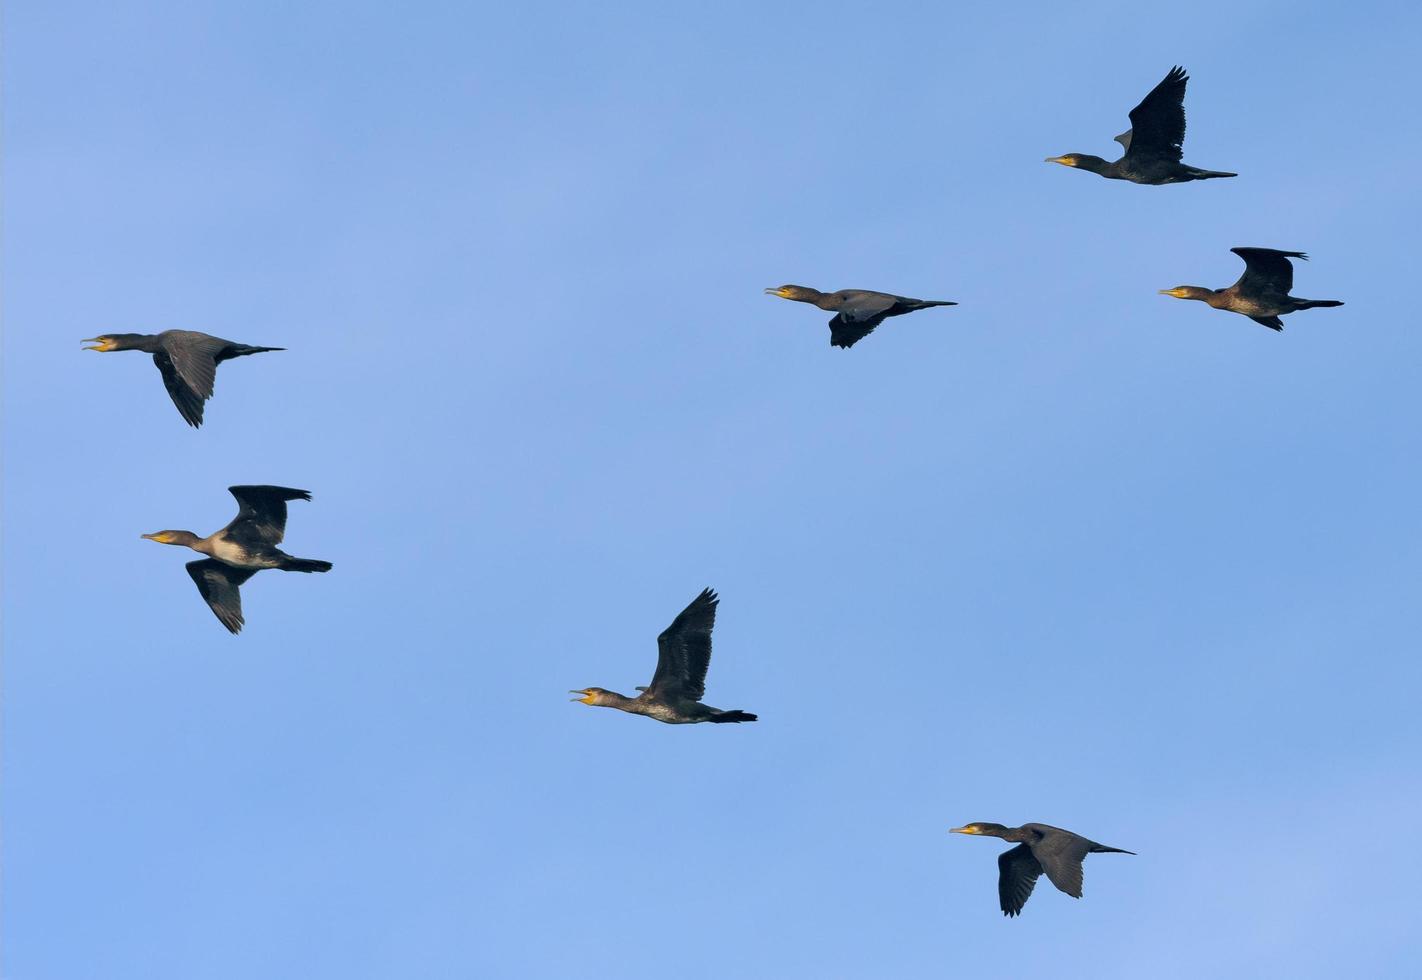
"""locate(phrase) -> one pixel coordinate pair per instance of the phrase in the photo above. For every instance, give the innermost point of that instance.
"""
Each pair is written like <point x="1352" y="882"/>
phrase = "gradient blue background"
<point x="1070" y="552"/>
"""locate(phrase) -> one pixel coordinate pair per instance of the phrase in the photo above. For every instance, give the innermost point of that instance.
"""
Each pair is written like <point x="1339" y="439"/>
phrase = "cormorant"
<point x="1262" y="293"/>
<point x="1152" y="143"/>
<point x="187" y="359"/>
<point x="683" y="653"/>
<point x="857" y="311"/>
<point x="1039" y="848"/>
<point x="240" y="550"/>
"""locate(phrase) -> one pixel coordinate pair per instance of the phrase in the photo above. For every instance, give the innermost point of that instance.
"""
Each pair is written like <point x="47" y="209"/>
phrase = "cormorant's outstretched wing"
<point x="188" y="401"/>
<point x="1017" y="873"/>
<point x="1124" y="139"/>
<point x="261" y="520"/>
<point x="1267" y="270"/>
<point x="1060" y="852"/>
<point x="218" y="583"/>
<point x="1158" y="123"/>
<point x="194" y="355"/>
<point x="846" y="333"/>
<point x="860" y="312"/>
<point x="684" y="652"/>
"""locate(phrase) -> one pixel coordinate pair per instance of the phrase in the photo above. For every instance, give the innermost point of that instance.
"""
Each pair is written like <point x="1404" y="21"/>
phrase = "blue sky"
<point x="1070" y="552"/>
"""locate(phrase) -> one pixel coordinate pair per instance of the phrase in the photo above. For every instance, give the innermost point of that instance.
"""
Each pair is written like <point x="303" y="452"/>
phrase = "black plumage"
<point x="1153" y="144"/>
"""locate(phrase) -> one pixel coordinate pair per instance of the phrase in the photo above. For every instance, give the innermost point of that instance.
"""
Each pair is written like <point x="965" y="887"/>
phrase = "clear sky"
<point x="1070" y="552"/>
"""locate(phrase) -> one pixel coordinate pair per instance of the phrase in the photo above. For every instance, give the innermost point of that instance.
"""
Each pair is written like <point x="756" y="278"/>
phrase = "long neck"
<point x="1212" y="296"/>
<point x="1085" y="161"/>
<point x="148" y="343"/>
<point x="804" y="294"/>
<point x="611" y="699"/>
<point x="187" y="539"/>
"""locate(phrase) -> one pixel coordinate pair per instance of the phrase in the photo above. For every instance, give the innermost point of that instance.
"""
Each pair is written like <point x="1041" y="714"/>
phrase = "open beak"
<point x="95" y="340"/>
<point x="582" y="693"/>
<point x="773" y="290"/>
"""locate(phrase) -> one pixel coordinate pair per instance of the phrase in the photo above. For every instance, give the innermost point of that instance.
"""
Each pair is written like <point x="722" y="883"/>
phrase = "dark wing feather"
<point x="218" y="584"/>
<point x="845" y="333"/>
<point x="1158" y="123"/>
<point x="1017" y="873"/>
<point x="188" y="401"/>
<point x="684" y="652"/>
<point x="860" y="311"/>
<point x="1060" y="852"/>
<point x="1267" y="270"/>
<point x="194" y="355"/>
<point x="261" y="517"/>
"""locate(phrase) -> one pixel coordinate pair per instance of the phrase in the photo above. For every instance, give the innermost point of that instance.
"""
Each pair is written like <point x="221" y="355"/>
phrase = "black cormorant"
<point x="242" y="549"/>
<point x="857" y="311"/>
<point x="1262" y="293"/>
<point x="1152" y="143"/>
<point x="683" y="653"/>
<point x="1039" y="848"/>
<point x="187" y="359"/>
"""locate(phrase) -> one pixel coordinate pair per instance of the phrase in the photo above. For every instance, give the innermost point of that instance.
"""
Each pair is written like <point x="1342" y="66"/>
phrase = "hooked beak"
<point x="1171" y="292"/>
<point x="962" y="830"/>
<point x="583" y="693"/>
<point x="102" y="344"/>
<point x="1062" y="160"/>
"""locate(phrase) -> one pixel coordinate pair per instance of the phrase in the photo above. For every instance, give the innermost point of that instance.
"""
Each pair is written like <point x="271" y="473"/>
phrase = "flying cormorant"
<point x="1039" y="848"/>
<point x="1262" y="293"/>
<point x="857" y="311"/>
<point x="683" y="654"/>
<point x="187" y="359"/>
<point x="1153" y="143"/>
<point x="242" y="549"/>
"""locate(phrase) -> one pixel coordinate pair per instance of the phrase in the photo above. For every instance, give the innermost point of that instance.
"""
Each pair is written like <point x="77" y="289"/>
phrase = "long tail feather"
<point x="305" y="565"/>
<point x="732" y="716"/>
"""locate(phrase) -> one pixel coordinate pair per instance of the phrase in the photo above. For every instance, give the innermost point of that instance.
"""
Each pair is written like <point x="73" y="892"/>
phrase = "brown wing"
<point x="684" y="652"/>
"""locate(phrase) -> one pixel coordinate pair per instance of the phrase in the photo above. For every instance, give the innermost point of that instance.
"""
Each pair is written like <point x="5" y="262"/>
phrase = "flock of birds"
<point x="248" y="544"/>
